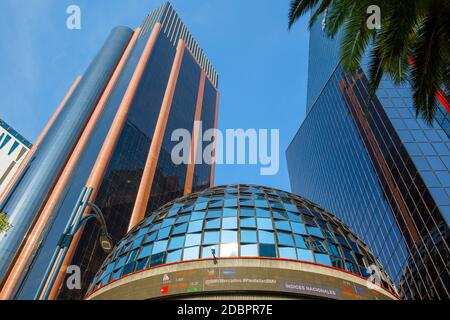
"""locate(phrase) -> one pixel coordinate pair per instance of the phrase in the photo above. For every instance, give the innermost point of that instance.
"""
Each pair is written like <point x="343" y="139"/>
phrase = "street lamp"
<point x="76" y="221"/>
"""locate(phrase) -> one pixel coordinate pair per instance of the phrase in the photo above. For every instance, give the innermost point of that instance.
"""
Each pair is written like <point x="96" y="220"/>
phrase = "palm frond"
<point x="430" y="53"/>
<point x="298" y="8"/>
<point x="323" y="6"/>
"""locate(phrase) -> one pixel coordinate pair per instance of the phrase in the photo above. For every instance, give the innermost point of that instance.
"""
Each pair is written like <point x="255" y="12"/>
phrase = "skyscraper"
<point x="13" y="151"/>
<point x="110" y="141"/>
<point x="378" y="167"/>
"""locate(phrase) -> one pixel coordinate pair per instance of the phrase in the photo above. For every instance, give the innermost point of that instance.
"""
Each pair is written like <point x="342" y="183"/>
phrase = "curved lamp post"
<point x="74" y="224"/>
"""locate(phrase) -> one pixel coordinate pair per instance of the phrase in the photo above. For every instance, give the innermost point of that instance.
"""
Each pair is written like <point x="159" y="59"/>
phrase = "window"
<point x="159" y="246"/>
<point x="168" y="222"/>
<point x="230" y="203"/>
<point x="181" y="229"/>
<point x="229" y="212"/>
<point x="287" y="253"/>
<point x="229" y="250"/>
<point x="267" y="250"/>
<point x="318" y="246"/>
<point x="285" y="239"/>
<point x="229" y="236"/>
<point x="157" y="259"/>
<point x="212" y="224"/>
<point x="176" y="243"/>
<point x="264" y="224"/>
<point x="248" y="236"/>
<point x="146" y="251"/>
<point x="248" y="223"/>
<point x="283" y="225"/>
<point x="195" y="226"/>
<point x="298" y="228"/>
<point x="315" y="232"/>
<point x="211" y="237"/>
<point x="249" y="250"/>
<point x="323" y="259"/>
<point x="193" y="240"/>
<point x="164" y="233"/>
<point x="266" y="237"/>
<point x="262" y="213"/>
<point x="191" y="253"/>
<point x="197" y="215"/>
<point x="305" y="255"/>
<point x="300" y="242"/>
<point x="247" y="212"/>
<point x="174" y="256"/>
<point x="229" y="223"/>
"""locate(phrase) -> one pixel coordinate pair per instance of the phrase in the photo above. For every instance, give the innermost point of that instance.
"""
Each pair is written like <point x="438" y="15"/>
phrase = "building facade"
<point x="378" y="167"/>
<point x="241" y="242"/>
<point x="111" y="138"/>
<point x="13" y="151"/>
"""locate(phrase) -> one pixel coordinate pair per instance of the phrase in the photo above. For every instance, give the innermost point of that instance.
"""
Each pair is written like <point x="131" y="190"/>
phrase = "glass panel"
<point x="168" y="222"/>
<point x="176" y="243"/>
<point x="248" y="236"/>
<point x="160" y="246"/>
<point x="195" y="226"/>
<point x="191" y="253"/>
<point x="266" y="237"/>
<point x="249" y="250"/>
<point x="229" y="250"/>
<point x="229" y="223"/>
<point x="214" y="213"/>
<point x="146" y="252"/>
<point x="164" y="233"/>
<point x="193" y="240"/>
<point x="267" y="250"/>
<point x="288" y="253"/>
<point x="247" y="212"/>
<point x="264" y="224"/>
<point x="248" y="223"/>
<point x="196" y="215"/>
<point x="300" y="242"/>
<point x="323" y="259"/>
<point x="230" y="203"/>
<point x="157" y="259"/>
<point x="285" y="239"/>
<point x="315" y="232"/>
<point x="211" y="237"/>
<point x="305" y="255"/>
<point x="229" y="236"/>
<point x="229" y="212"/>
<point x="283" y="225"/>
<point x="212" y="224"/>
<point x="182" y="228"/>
<point x="298" y="228"/>
<point x="174" y="256"/>
<point x="262" y="213"/>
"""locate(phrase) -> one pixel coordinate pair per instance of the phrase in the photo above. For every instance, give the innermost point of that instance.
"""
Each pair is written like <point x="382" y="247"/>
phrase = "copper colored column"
<point x="145" y="186"/>
<point x="216" y="120"/>
<point x="104" y="157"/>
<point x="47" y="212"/>
<point x="30" y="154"/>
<point x="195" y="136"/>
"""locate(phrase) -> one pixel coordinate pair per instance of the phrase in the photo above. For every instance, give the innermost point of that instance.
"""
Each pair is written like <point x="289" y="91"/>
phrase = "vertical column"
<point x="155" y="147"/>
<point x="195" y="136"/>
<point x="216" y="120"/>
<point x="38" y="142"/>
<point x="102" y="162"/>
<point x="36" y="233"/>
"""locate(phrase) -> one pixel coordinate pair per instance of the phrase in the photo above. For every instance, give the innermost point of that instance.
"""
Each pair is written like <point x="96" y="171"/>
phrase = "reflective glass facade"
<point x="384" y="171"/>
<point x="120" y="183"/>
<point x="238" y="221"/>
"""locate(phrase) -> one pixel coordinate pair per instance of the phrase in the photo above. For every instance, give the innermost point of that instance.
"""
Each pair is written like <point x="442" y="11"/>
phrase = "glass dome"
<point x="238" y="221"/>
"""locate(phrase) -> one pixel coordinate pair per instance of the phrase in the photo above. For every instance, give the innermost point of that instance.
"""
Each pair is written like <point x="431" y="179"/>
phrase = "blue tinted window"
<point x="248" y="236"/>
<point x="267" y="250"/>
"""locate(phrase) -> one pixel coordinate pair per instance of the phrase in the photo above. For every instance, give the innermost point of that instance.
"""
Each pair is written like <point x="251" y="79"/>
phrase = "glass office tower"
<point x="378" y="167"/>
<point x="111" y="136"/>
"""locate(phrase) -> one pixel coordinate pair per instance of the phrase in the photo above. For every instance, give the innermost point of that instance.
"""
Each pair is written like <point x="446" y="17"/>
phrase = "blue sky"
<point x="262" y="66"/>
